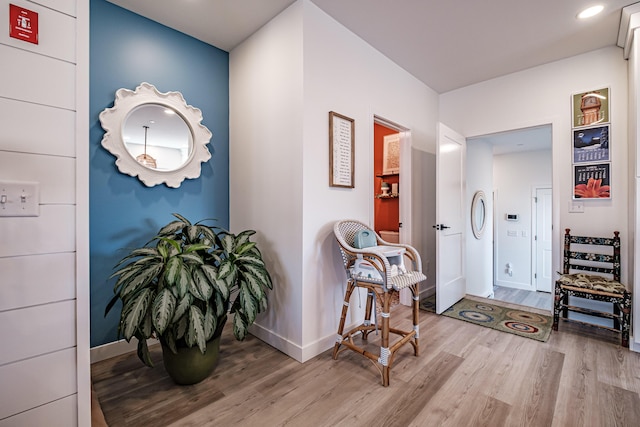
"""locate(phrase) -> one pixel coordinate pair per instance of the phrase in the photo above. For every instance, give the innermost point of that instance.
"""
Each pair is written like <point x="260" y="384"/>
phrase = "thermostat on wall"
<point x="512" y="217"/>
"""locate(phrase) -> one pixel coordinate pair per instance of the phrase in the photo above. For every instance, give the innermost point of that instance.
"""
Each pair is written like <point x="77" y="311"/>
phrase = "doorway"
<point x="518" y="166"/>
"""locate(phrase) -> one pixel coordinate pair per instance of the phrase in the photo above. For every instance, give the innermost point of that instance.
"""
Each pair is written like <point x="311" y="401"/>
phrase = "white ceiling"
<point x="447" y="44"/>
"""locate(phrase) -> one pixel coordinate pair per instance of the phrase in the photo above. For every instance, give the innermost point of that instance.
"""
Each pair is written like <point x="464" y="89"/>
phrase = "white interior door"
<point x="450" y="190"/>
<point x="544" y="235"/>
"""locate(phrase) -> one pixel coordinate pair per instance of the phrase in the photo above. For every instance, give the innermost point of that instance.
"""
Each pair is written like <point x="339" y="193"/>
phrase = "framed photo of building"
<point x="591" y="107"/>
<point x="592" y="181"/>
<point x="591" y="145"/>
<point x="341" y="150"/>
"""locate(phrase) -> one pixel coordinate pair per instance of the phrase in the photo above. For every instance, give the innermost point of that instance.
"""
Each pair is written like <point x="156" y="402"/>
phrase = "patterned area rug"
<point x="494" y="316"/>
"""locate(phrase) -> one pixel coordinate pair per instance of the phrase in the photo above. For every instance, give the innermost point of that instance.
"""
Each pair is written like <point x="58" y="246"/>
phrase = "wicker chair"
<point x="379" y="285"/>
<point x="602" y="283"/>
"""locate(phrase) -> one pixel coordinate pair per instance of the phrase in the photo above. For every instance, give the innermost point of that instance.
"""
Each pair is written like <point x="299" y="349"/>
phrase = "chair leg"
<point x="416" y="320"/>
<point x="343" y="317"/>
<point x="626" y="319"/>
<point x="384" y="345"/>
<point x="557" y="306"/>
<point x="367" y="313"/>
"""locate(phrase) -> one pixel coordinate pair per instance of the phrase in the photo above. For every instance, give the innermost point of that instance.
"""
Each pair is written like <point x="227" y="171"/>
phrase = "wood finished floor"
<point x="466" y="375"/>
<point x="541" y="300"/>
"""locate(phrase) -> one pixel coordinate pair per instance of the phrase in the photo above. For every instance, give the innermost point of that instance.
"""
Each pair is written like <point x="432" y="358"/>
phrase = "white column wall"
<point x="479" y="252"/>
<point x="284" y="80"/>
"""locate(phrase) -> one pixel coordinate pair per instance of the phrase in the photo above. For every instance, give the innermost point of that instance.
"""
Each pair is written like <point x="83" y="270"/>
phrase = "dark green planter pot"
<point x="190" y="366"/>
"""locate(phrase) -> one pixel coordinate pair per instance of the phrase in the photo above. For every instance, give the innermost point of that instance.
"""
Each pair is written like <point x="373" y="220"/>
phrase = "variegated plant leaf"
<point x="192" y="233"/>
<point x="172" y="227"/>
<point x="245" y="247"/>
<point x="134" y="311"/>
<point x="244" y="236"/>
<point x="172" y="272"/>
<point x="254" y="285"/>
<point x="202" y="283"/>
<point x="239" y="327"/>
<point x="210" y="322"/>
<point x="247" y="303"/>
<point x="195" y="332"/>
<point x="261" y="274"/>
<point x="164" y="305"/>
<point x="228" y="243"/>
<point x="182" y="325"/>
<point x="191" y="258"/>
<point x="181" y="307"/>
<point x="143" y="352"/>
<point x="181" y="218"/>
<point x="140" y="281"/>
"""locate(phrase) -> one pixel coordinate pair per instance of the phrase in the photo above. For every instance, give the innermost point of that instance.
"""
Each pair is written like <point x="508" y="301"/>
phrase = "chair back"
<point x="345" y="232"/>
<point x="599" y="255"/>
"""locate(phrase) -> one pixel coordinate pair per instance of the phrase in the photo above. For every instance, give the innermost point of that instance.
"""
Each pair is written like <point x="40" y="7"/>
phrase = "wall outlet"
<point x="19" y="198"/>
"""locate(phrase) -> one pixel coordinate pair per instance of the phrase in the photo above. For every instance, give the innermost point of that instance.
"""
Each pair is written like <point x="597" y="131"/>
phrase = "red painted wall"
<point x="386" y="211"/>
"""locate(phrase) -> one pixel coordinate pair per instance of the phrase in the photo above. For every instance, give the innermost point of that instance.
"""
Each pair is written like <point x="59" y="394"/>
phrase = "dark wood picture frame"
<point x="341" y="150"/>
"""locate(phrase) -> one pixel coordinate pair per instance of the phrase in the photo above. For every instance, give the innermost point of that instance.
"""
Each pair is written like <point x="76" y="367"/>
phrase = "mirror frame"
<point x="479" y="202"/>
<point x="113" y="120"/>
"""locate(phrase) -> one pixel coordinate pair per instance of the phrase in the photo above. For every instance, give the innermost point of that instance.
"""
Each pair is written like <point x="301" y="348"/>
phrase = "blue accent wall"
<point x="126" y="50"/>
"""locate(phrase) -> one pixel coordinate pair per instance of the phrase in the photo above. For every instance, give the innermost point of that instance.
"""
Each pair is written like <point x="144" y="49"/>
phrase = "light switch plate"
<point x="576" y="206"/>
<point x="19" y="198"/>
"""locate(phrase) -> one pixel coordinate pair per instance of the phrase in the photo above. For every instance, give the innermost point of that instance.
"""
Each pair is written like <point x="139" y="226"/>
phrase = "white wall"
<point x="279" y="166"/>
<point x="479" y="252"/>
<point x="541" y="95"/>
<point x="515" y="176"/>
<point x="44" y="367"/>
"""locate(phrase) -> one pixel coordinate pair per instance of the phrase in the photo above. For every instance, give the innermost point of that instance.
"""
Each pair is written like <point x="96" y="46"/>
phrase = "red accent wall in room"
<point x="386" y="211"/>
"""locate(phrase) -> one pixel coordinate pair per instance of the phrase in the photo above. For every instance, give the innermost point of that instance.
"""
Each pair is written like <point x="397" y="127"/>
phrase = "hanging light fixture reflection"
<point x="145" y="159"/>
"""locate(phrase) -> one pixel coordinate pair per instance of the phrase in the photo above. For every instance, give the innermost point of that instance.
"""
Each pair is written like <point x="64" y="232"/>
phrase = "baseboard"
<point x="116" y="348"/>
<point x="295" y="351"/>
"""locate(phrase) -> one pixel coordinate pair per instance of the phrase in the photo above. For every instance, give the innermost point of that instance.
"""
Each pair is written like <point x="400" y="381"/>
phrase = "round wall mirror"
<point x="478" y="214"/>
<point x="155" y="136"/>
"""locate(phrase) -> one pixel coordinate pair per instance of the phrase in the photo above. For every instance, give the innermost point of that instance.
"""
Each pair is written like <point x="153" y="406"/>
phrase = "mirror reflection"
<point x="157" y="137"/>
<point x="478" y="214"/>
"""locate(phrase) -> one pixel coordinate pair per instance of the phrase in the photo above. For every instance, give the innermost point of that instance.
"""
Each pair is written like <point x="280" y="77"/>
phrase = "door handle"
<point x="441" y="227"/>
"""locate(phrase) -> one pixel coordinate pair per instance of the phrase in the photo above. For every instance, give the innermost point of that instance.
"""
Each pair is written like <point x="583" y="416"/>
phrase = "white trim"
<point x="83" y="367"/>
<point x="117" y="348"/>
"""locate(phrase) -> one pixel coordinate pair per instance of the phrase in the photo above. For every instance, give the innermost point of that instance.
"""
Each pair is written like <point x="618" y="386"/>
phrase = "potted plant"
<point x="179" y="288"/>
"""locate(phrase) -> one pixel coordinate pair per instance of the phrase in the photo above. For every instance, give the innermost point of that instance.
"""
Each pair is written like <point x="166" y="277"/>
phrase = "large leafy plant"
<point x="181" y="285"/>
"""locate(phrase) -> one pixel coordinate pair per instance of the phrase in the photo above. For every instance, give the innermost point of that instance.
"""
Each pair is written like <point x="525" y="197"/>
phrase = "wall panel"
<point x="36" y="78"/>
<point x="32" y="331"/>
<point x="39" y="168"/>
<point x="36" y="279"/>
<point x="37" y="381"/>
<point x="56" y="31"/>
<point x="38" y="129"/>
<point x="51" y="232"/>
<point x="64" y="6"/>
<point x="60" y="413"/>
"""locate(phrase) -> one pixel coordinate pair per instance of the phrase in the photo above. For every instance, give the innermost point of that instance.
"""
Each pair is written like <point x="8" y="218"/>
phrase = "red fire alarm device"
<point x="23" y="24"/>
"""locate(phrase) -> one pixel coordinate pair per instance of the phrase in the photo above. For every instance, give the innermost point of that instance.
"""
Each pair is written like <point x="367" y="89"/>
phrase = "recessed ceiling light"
<point x="591" y="11"/>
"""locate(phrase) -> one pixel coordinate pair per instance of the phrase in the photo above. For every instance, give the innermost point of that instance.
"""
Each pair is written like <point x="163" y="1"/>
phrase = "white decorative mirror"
<point x="478" y="214"/>
<point x="155" y="136"/>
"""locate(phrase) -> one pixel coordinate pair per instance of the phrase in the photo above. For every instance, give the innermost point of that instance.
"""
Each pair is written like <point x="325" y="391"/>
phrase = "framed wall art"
<point x="591" y="107"/>
<point x="341" y="150"/>
<point x="592" y="181"/>
<point x="391" y="154"/>
<point x="591" y="145"/>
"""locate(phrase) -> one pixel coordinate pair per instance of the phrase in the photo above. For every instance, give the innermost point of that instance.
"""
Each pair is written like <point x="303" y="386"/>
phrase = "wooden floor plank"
<point x="465" y="375"/>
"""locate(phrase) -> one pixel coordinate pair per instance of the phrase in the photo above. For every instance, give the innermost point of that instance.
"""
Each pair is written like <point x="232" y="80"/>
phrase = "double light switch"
<point x="19" y="198"/>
